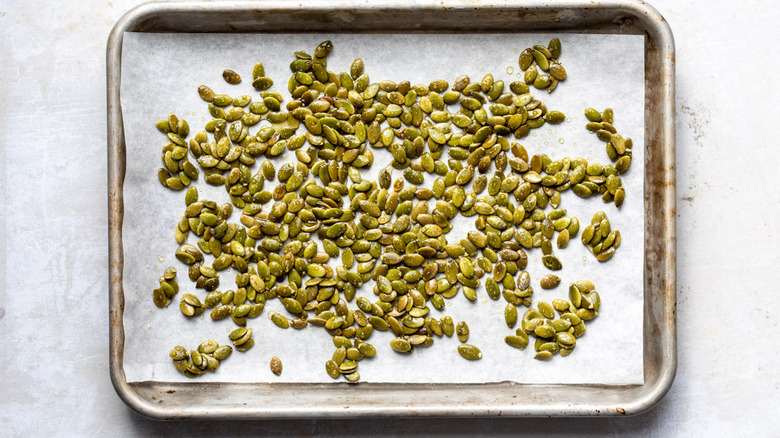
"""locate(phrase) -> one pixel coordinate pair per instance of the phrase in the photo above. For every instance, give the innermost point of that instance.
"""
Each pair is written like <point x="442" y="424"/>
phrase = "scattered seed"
<point x="469" y="352"/>
<point x="231" y="77"/>
<point x="462" y="330"/>
<point x="549" y="281"/>
<point x="276" y="366"/>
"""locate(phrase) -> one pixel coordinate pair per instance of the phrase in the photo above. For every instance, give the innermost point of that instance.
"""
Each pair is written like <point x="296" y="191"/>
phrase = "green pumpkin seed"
<point x="551" y="262"/>
<point x="605" y="255"/>
<point x="593" y="115"/>
<point x="563" y="238"/>
<point x="206" y="93"/>
<point x="469" y="352"/>
<point x="262" y="83"/>
<point x="620" y="195"/>
<point x="519" y="341"/>
<point x="179" y="353"/>
<point x="279" y="320"/>
<point x="554" y="117"/>
<point x="462" y="331"/>
<point x="554" y="46"/>
<point x="525" y="60"/>
<point x="332" y="369"/>
<point x="400" y="345"/>
<point x="542" y="81"/>
<point x="549" y="281"/>
<point x="367" y="349"/>
<point x="546" y="309"/>
<point x="543" y="355"/>
<point x="510" y="315"/>
<point x="276" y="366"/>
<point x="604" y="135"/>
<point x="530" y="74"/>
<point x="623" y="163"/>
<point x="258" y="70"/>
<point x="222" y="352"/>
<point x="607" y="115"/>
<point x="557" y="71"/>
<point x="447" y="325"/>
<point x="231" y="77"/>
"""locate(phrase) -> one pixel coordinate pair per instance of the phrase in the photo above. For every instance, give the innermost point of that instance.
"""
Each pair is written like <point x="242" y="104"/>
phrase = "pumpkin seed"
<point x="526" y="58"/>
<point x="551" y="262"/>
<point x="231" y="77"/>
<point x="557" y="71"/>
<point x="555" y="116"/>
<point x="554" y="46"/>
<point x="262" y="83"/>
<point x="279" y="320"/>
<point x="462" y="331"/>
<point x="519" y="341"/>
<point x="276" y="366"/>
<point x="222" y="352"/>
<point x="400" y="345"/>
<point x="352" y="377"/>
<point x="607" y="115"/>
<point x="332" y="369"/>
<point x="592" y="115"/>
<point x="543" y="355"/>
<point x="549" y="281"/>
<point x="206" y="93"/>
<point x="470" y="352"/>
<point x="258" y="70"/>
<point x="447" y="325"/>
<point x="510" y="315"/>
<point x="563" y="238"/>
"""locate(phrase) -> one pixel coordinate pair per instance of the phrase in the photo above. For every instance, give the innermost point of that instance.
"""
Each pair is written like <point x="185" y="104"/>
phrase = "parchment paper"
<point x="161" y="73"/>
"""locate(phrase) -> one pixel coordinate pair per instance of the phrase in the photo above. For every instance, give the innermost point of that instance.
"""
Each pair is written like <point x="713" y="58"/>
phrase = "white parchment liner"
<point x="161" y="73"/>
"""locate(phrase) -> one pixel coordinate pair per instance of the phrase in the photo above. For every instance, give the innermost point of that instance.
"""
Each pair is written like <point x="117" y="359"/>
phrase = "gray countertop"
<point x="53" y="237"/>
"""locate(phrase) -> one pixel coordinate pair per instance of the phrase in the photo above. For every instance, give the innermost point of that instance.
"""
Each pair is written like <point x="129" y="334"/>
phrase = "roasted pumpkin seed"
<point x="276" y="366"/>
<point x="231" y="77"/>
<point x="549" y="281"/>
<point x="462" y="331"/>
<point x="470" y="352"/>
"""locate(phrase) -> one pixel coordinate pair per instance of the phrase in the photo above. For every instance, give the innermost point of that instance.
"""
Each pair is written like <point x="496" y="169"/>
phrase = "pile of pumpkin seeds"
<point x="618" y="150"/>
<point x="206" y="358"/>
<point x="600" y="238"/>
<point x="390" y="232"/>
<point x="242" y="338"/>
<point x="558" y="335"/>
<point x="546" y="58"/>
<point x="178" y="171"/>
<point x="163" y="295"/>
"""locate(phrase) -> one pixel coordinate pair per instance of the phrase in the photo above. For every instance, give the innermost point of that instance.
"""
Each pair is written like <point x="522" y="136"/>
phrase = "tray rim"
<point x="137" y="395"/>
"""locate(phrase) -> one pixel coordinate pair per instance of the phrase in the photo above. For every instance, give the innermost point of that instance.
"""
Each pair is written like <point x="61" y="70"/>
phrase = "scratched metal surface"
<point x="273" y="400"/>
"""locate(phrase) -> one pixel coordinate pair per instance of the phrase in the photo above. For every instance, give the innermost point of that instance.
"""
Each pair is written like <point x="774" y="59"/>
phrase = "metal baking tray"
<point x="268" y="400"/>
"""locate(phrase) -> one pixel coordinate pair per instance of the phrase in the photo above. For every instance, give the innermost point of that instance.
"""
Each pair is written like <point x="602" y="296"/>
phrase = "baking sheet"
<point x="160" y="74"/>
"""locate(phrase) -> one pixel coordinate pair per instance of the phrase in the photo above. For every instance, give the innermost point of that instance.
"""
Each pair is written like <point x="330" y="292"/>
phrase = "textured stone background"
<point x="53" y="241"/>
